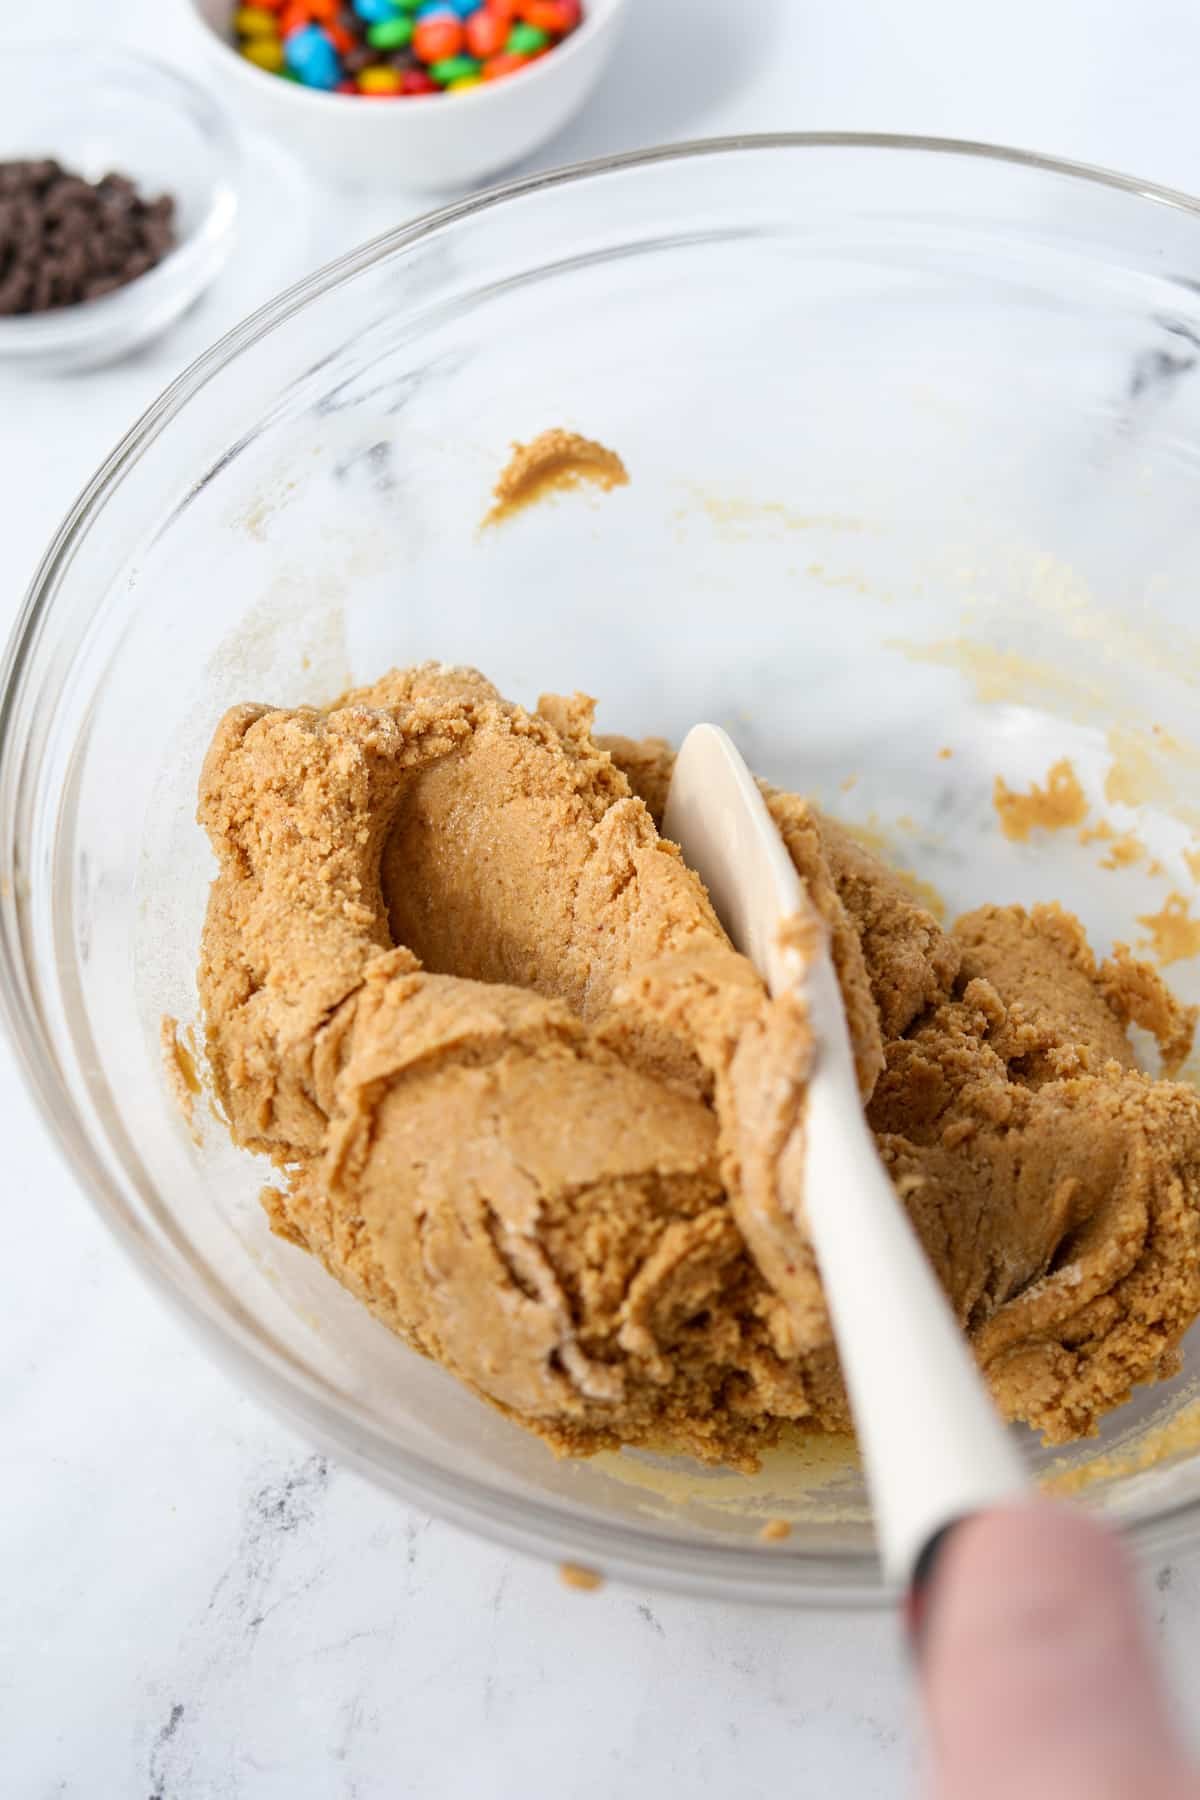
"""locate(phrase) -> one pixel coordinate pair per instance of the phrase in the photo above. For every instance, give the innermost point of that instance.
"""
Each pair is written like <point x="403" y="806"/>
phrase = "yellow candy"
<point x="266" y="52"/>
<point x="255" y="22"/>
<point x="464" y="81"/>
<point x="379" y="81"/>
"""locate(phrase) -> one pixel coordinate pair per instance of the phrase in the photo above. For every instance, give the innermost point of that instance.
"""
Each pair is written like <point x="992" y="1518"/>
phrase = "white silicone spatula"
<point x="933" y="1445"/>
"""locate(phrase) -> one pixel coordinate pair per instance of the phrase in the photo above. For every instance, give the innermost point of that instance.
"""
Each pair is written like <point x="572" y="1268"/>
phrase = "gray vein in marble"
<point x="1157" y="367"/>
<point x="277" y="1512"/>
<point x="415" y="1528"/>
<point x="500" y="1590"/>
<point x="374" y="462"/>
<point x="161" y="1758"/>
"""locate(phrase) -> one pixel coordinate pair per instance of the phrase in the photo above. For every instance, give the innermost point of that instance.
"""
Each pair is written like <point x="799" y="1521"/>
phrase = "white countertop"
<point x="198" y="1607"/>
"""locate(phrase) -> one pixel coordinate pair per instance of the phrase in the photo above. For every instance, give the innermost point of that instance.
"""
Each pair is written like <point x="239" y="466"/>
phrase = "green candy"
<point x="390" y="34"/>
<point x="526" y="40"/>
<point x="453" y="68"/>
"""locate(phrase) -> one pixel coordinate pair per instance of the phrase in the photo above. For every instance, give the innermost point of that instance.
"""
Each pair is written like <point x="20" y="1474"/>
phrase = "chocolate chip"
<point x="70" y="194"/>
<point x="157" y="239"/>
<point x="64" y="239"/>
<point x="140" y="263"/>
<point x="15" y="292"/>
<point x="27" y="177"/>
<point x="101" y="285"/>
<point x="119" y="185"/>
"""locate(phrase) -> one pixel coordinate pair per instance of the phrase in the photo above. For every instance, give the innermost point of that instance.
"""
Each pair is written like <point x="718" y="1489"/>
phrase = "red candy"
<point x="486" y="34"/>
<point x="416" y="81"/>
<point x="437" y="38"/>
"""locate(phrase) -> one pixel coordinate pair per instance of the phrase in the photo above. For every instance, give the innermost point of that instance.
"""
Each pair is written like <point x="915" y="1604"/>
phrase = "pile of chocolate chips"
<point x="64" y="240"/>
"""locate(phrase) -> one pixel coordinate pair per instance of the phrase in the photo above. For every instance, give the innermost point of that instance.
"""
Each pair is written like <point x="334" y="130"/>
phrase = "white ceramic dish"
<point x="99" y="109"/>
<point x="431" y="143"/>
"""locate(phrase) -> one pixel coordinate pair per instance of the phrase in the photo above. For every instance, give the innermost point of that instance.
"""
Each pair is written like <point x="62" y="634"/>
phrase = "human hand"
<point x="1039" y="1681"/>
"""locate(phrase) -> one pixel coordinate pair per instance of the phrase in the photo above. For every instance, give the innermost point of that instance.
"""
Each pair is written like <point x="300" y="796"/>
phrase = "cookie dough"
<point x="529" y="1104"/>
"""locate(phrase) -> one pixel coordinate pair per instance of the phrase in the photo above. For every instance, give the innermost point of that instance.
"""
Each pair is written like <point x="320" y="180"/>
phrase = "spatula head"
<point x="717" y="816"/>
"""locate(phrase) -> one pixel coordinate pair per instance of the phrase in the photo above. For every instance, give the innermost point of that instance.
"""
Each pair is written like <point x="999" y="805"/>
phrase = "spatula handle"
<point x="934" y="1447"/>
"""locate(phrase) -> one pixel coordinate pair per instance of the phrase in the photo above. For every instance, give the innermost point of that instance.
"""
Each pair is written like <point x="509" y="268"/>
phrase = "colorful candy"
<point x="379" y="80"/>
<point x="394" y="49"/>
<point x="310" y="54"/>
<point x="497" y="67"/>
<point x="437" y="36"/>
<point x="255" y="21"/>
<point x="527" y="40"/>
<point x="450" y="69"/>
<point x="266" y="53"/>
<point x="555" y="17"/>
<point x="391" y="34"/>
<point x="486" y="33"/>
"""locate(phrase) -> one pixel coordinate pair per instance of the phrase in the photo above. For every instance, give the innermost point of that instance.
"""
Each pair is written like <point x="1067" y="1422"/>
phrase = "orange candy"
<point x="487" y="33"/>
<point x="324" y="12"/>
<point x="497" y="67"/>
<point x="501" y="9"/>
<point x="437" y="38"/>
<point x="558" y="17"/>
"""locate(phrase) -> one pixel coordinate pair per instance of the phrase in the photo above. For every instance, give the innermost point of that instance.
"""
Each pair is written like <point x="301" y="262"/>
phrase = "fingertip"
<point x="1017" y="1568"/>
<point x="1035" y="1666"/>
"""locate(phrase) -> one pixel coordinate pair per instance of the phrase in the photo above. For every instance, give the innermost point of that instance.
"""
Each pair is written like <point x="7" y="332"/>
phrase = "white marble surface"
<point x="195" y="1605"/>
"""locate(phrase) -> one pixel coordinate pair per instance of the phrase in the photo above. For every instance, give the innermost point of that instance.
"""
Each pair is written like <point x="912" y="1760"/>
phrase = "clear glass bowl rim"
<point x="821" y="1579"/>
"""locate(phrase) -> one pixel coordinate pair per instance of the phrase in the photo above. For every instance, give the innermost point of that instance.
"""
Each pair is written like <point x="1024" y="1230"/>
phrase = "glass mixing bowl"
<point x="913" y="433"/>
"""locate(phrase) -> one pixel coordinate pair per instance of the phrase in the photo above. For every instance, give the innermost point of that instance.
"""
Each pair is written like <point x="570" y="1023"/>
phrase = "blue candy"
<point x="312" y="57"/>
<point x="438" y="9"/>
<point x="464" y="8"/>
<point x="377" y="12"/>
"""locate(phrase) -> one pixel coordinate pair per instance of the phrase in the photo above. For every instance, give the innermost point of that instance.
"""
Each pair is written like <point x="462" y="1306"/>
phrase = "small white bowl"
<point x="98" y="109"/>
<point x="429" y="141"/>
